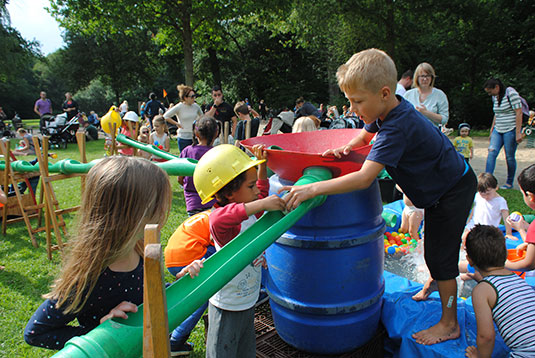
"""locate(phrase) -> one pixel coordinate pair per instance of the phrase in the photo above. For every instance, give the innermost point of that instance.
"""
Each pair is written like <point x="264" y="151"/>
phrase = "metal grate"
<point x="270" y="345"/>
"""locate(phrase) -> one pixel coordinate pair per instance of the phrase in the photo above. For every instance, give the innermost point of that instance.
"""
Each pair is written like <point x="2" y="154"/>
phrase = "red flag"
<point x="164" y="93"/>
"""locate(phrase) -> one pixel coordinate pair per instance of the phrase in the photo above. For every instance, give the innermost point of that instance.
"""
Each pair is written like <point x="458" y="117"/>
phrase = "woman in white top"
<point x="428" y="100"/>
<point x="186" y="112"/>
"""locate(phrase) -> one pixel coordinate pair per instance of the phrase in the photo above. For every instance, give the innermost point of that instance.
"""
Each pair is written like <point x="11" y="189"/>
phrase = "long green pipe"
<point x="174" y="166"/>
<point x="152" y="149"/>
<point x="123" y="338"/>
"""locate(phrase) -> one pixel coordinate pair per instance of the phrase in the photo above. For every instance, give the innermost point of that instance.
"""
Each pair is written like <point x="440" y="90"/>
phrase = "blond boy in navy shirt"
<point x="420" y="159"/>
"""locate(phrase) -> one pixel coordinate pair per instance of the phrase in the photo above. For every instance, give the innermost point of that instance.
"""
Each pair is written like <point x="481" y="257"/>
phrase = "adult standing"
<point x="404" y="83"/>
<point x="303" y="109"/>
<point x="506" y="128"/>
<point x="123" y="108"/>
<point x="428" y="100"/>
<point x="152" y="108"/>
<point x="42" y="107"/>
<point x="221" y="110"/>
<point x="70" y="106"/>
<point x="187" y="111"/>
<point x="262" y="109"/>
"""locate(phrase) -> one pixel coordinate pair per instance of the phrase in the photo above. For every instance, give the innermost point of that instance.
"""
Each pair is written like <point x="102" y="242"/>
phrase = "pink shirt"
<point x="225" y="221"/>
<point x="127" y="151"/>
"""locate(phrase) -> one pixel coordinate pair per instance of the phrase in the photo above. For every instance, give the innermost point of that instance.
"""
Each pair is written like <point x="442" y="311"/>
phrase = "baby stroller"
<point x="5" y="129"/>
<point x="60" y="131"/>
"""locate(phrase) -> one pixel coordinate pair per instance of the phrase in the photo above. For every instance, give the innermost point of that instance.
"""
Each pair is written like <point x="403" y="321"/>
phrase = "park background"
<point x="275" y="50"/>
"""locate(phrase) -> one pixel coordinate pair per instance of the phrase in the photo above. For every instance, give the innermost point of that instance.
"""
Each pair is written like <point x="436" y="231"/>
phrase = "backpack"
<point x="525" y="107"/>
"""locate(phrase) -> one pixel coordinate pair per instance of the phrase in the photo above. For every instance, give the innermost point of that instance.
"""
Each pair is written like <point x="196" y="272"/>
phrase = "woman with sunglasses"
<point x="186" y="112"/>
<point x="428" y="100"/>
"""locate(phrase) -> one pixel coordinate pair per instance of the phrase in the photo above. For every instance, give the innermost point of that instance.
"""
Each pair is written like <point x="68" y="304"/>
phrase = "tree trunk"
<point x="390" y="29"/>
<point x="187" y="41"/>
<point x="214" y="65"/>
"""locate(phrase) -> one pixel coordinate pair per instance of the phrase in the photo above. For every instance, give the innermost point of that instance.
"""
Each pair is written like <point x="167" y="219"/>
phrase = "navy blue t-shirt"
<point x="49" y="327"/>
<point x="419" y="158"/>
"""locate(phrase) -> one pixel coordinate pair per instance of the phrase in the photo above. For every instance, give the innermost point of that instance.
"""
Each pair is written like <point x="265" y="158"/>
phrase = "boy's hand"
<point x="297" y="194"/>
<point x="471" y="352"/>
<point x="272" y="203"/>
<point x="193" y="269"/>
<point x="259" y="151"/>
<point x="517" y="225"/>
<point x="120" y="311"/>
<point x="521" y="247"/>
<point x="337" y="152"/>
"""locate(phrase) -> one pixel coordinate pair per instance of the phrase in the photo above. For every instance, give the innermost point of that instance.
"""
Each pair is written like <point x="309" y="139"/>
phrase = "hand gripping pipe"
<point x="152" y="149"/>
<point x="118" y="338"/>
<point x="174" y="166"/>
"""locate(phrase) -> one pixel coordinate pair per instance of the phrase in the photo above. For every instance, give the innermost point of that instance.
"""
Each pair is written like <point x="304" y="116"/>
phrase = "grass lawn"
<point x="28" y="273"/>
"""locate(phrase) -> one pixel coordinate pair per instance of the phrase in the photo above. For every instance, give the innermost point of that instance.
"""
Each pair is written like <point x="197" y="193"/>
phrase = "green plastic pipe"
<point x="390" y="218"/>
<point x="152" y="149"/>
<point x="123" y="338"/>
<point x="173" y="167"/>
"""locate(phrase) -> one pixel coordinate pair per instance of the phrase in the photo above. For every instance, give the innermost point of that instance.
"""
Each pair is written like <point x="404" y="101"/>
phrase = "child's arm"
<point x="260" y="153"/>
<point x="471" y="149"/>
<point x="49" y="327"/>
<point x="151" y="139"/>
<point x="181" y="180"/>
<point x="344" y="184"/>
<point x="526" y="264"/>
<point x="363" y="138"/>
<point x="521" y="226"/>
<point x="166" y="146"/>
<point x="508" y="231"/>
<point x="483" y="296"/>
<point x="271" y="203"/>
<point x="193" y="269"/>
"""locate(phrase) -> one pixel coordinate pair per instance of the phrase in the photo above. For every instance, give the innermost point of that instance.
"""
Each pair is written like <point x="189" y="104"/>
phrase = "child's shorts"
<point x="444" y="225"/>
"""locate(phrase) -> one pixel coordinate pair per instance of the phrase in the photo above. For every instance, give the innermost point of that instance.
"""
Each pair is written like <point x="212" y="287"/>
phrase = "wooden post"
<point x="225" y="132"/>
<point x="155" y="322"/>
<point x="80" y="139"/>
<point x="247" y="129"/>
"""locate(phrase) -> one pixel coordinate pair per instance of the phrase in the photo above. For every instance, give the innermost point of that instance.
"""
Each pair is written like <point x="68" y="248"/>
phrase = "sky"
<point x="34" y="23"/>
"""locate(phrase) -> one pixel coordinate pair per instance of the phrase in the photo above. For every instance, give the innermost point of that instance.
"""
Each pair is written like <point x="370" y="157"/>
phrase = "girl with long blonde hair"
<point x="102" y="272"/>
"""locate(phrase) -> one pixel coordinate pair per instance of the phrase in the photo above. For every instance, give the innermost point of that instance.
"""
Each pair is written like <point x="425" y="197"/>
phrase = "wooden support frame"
<point x="155" y="321"/>
<point x="27" y="203"/>
<point x="53" y="213"/>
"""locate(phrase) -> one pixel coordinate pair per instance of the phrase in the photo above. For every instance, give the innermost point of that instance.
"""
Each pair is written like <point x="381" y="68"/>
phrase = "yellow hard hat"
<point x="218" y="167"/>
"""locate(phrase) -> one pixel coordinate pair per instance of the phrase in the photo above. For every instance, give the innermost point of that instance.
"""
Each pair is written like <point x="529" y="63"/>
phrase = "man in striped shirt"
<point x="501" y="296"/>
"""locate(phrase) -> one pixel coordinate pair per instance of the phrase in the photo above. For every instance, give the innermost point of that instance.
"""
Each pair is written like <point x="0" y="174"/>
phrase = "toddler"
<point x="241" y="192"/>
<point x="304" y="124"/>
<point x="501" y="296"/>
<point x="159" y="137"/>
<point x="463" y="143"/>
<point x="489" y="206"/>
<point x="526" y="181"/>
<point x="144" y="133"/>
<point x="128" y="120"/>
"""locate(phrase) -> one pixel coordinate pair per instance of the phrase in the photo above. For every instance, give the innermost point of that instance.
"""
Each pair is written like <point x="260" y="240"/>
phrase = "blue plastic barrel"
<point x="325" y="275"/>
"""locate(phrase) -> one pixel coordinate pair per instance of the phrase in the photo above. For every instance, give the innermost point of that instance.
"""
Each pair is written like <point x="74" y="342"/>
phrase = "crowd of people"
<point x="229" y="191"/>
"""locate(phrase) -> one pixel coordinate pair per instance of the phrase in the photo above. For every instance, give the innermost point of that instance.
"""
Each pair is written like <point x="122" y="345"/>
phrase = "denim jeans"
<point x="182" y="332"/>
<point x="497" y="141"/>
<point x="183" y="143"/>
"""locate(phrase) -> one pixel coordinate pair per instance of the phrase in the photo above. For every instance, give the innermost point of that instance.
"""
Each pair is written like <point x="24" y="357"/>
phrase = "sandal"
<point x="506" y="186"/>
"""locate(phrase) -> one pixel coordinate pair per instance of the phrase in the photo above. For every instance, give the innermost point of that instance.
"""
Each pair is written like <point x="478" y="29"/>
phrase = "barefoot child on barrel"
<point x="420" y="159"/>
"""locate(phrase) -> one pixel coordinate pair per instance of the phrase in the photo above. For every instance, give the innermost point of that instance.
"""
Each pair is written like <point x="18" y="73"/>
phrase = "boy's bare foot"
<point x="429" y="287"/>
<point x="440" y="332"/>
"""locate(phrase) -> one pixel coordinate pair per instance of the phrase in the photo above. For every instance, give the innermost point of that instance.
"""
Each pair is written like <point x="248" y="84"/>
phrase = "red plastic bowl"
<point x="303" y="150"/>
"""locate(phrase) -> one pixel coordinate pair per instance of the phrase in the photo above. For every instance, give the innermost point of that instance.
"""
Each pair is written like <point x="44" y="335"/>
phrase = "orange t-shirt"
<point x="189" y="241"/>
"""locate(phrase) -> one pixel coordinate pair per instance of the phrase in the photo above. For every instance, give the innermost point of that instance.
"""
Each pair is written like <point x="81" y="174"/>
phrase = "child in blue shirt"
<point x="420" y="159"/>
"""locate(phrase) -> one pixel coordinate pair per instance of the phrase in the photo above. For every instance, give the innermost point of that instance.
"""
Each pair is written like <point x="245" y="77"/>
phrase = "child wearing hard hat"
<point x="241" y="191"/>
